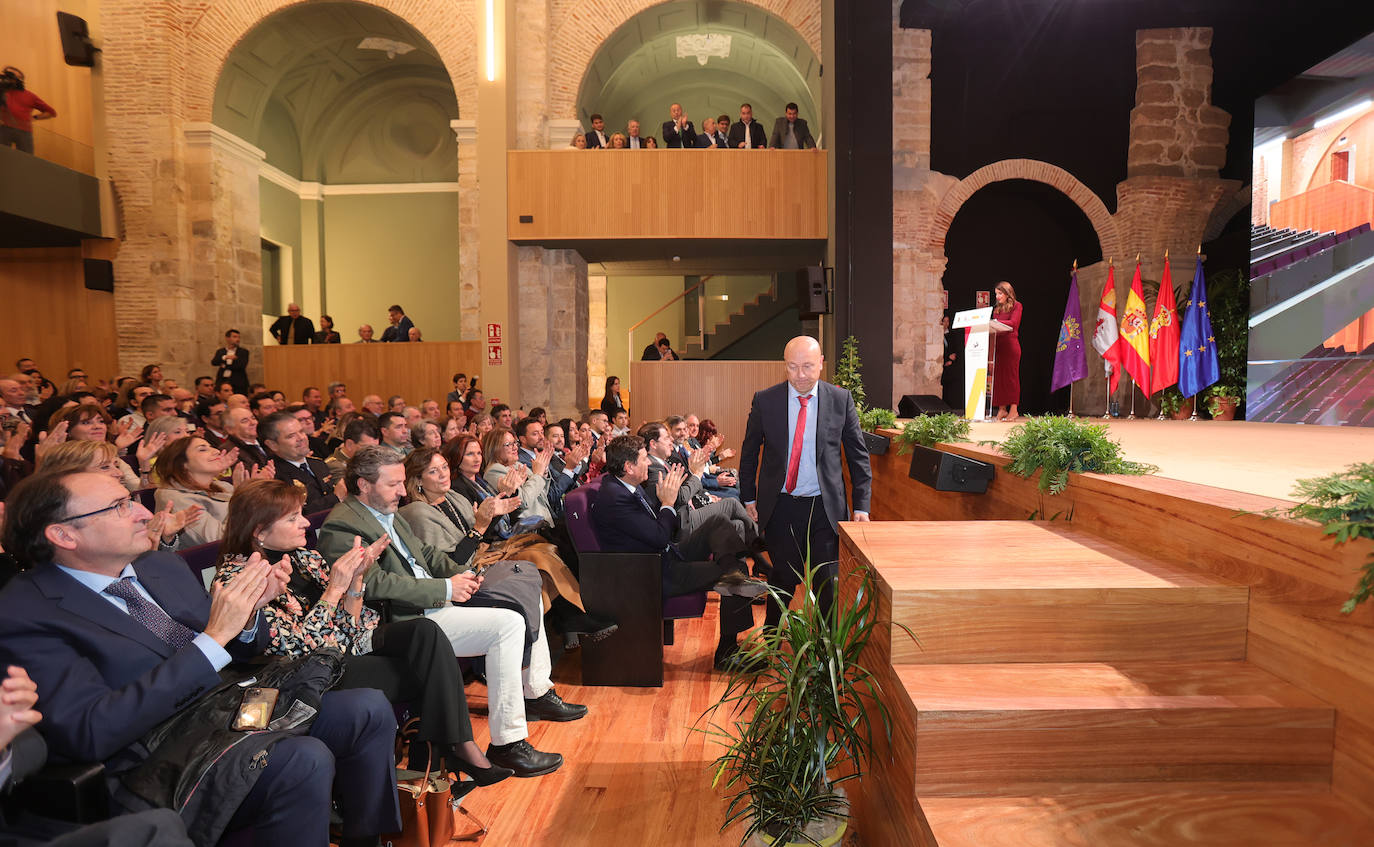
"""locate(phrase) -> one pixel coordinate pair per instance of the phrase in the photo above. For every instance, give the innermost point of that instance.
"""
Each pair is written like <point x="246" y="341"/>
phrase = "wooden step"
<point x="1046" y="592"/>
<point x="996" y="728"/>
<point x="1148" y="818"/>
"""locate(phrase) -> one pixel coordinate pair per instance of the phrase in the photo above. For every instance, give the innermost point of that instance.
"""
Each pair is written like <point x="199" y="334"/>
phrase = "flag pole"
<point x="1107" y="387"/>
<point x="1075" y="270"/>
<point x="1131" y="416"/>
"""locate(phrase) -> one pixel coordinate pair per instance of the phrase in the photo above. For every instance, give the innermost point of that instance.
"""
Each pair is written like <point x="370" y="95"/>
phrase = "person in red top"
<point x="16" y="116"/>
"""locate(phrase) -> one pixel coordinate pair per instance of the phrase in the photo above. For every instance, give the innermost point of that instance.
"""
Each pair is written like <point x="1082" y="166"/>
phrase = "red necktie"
<point x="794" y="460"/>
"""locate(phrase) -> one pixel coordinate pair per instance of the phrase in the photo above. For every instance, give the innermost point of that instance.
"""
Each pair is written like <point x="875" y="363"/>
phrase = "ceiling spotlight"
<point x="1343" y="114"/>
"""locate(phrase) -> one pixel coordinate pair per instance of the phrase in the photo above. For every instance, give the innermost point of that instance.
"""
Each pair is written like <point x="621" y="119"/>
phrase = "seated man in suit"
<point x="626" y="523"/>
<point x="560" y="474"/>
<point x="791" y="132"/>
<point x="746" y="134"/>
<point x="359" y="432"/>
<point x="725" y="526"/>
<point x="242" y="429"/>
<point x="119" y="639"/>
<point x="283" y="435"/>
<point x="415" y="579"/>
<point x="708" y="137"/>
<point x="678" y="132"/>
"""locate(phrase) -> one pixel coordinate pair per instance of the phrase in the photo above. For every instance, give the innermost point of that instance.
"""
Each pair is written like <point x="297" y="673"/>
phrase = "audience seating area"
<point x="1272" y="249"/>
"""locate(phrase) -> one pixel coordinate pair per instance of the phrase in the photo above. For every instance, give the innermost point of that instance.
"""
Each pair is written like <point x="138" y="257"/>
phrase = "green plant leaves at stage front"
<point x="871" y="420"/>
<point x="1343" y="503"/>
<point x="1056" y="446"/>
<point x="929" y="430"/>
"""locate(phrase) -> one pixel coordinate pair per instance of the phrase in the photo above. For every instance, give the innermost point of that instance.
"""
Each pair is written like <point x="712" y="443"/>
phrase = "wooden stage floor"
<point x="1256" y="458"/>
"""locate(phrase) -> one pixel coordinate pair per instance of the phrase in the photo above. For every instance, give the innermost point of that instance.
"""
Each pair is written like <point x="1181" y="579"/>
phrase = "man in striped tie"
<point x="790" y="476"/>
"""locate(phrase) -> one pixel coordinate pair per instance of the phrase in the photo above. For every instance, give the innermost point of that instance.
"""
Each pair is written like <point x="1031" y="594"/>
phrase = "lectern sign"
<point x="975" y="359"/>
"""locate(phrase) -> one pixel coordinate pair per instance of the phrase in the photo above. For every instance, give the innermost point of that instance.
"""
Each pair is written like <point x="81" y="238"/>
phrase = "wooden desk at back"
<point x="417" y="372"/>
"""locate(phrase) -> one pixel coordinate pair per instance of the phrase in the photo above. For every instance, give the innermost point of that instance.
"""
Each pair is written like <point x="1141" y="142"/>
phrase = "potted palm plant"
<point x="799" y="715"/>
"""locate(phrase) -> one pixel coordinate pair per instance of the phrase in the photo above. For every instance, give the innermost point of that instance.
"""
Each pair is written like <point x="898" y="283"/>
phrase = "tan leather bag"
<point x="429" y="811"/>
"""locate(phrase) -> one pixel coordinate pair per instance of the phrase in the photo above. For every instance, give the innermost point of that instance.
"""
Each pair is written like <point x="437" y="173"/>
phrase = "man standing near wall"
<point x="790" y="476"/>
<point x="291" y="328"/>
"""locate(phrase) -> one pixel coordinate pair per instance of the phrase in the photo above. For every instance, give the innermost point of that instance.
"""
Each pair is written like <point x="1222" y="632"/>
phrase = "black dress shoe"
<point x="586" y="628"/>
<point x="523" y="759"/>
<point x="551" y="707"/>
<point x="737" y="584"/>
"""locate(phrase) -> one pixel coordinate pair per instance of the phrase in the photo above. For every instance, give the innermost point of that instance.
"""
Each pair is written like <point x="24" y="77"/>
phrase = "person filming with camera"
<point x="17" y="111"/>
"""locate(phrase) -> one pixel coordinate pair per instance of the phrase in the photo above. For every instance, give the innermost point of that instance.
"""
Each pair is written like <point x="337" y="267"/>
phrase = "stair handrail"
<point x="701" y="317"/>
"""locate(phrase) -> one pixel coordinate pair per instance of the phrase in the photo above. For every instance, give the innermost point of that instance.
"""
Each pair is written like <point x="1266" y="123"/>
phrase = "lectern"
<point x="979" y="358"/>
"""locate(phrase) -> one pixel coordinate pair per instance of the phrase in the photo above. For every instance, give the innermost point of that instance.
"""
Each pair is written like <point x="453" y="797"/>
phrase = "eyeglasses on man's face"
<point x="122" y="508"/>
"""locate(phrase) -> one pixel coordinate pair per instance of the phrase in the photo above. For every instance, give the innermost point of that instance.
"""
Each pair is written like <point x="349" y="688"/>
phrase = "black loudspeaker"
<point x="948" y="472"/>
<point x="99" y="274"/>
<point x="915" y="405"/>
<point x="811" y="294"/>
<point x="77" y="48"/>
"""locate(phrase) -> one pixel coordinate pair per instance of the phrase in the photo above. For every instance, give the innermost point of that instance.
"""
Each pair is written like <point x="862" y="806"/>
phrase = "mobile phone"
<point x="255" y="709"/>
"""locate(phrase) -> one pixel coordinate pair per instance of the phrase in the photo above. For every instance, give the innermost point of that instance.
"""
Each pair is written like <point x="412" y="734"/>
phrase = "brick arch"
<point x="1035" y="171"/>
<point x="219" y="25"/>
<point x="579" y="35"/>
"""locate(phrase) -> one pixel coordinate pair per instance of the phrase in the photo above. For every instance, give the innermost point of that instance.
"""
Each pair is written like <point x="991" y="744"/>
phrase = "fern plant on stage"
<point x="871" y="420"/>
<point x="929" y="430"/>
<point x="1343" y="503"/>
<point x="1057" y="446"/>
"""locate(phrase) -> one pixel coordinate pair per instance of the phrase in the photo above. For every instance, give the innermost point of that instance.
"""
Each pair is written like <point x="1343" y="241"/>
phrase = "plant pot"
<point x="1226" y="409"/>
<point x="877" y="444"/>
<point x="828" y="833"/>
<point x="1184" y="411"/>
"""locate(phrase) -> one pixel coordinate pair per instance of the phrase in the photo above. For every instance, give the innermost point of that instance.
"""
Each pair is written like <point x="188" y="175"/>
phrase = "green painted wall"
<point x="281" y="223"/>
<point x="392" y="248"/>
<point x="628" y="300"/>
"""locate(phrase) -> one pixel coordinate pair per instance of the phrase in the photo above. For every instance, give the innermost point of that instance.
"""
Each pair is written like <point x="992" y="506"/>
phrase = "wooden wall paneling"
<point x="52" y="318"/>
<point x="555" y="187"/>
<point x="32" y="45"/>
<point x="418" y="372"/>
<point x="1333" y="207"/>
<point x="720" y="390"/>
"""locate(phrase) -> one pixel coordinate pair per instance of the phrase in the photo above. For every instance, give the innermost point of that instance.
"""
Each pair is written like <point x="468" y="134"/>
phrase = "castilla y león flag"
<point x="1164" y="336"/>
<point x="1135" y="334"/>
<point x="1105" y="338"/>
<point x="1070" y="359"/>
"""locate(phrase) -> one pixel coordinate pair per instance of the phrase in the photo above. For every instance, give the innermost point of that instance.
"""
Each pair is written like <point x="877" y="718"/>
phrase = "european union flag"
<point x="1198" y="366"/>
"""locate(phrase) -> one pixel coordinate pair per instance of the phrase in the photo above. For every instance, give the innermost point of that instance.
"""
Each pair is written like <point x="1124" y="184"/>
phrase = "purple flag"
<point x="1070" y="358"/>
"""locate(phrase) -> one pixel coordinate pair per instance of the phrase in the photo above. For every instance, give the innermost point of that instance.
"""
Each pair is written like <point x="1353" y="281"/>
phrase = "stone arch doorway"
<point x="350" y="109"/>
<point x="711" y="55"/>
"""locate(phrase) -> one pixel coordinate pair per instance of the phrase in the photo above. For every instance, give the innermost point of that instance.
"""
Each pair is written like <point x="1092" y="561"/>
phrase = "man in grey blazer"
<point x="790" y="475"/>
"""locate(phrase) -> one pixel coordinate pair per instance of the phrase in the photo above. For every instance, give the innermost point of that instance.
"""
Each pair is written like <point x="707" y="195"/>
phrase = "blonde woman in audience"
<point x="618" y="141"/>
<point x="92" y="423"/>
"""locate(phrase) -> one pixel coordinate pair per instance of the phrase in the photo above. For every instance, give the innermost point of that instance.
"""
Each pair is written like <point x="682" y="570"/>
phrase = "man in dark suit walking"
<point x="746" y="134"/>
<point x="790" y="476"/>
<point x="118" y="640"/>
<point x="626" y="523"/>
<point x="791" y="132"/>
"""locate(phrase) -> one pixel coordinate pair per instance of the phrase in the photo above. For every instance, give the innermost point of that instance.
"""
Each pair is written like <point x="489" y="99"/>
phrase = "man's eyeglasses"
<point x="122" y="508"/>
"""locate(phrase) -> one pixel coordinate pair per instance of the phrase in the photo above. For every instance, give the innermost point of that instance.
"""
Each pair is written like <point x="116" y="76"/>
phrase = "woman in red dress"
<point x="1006" y="367"/>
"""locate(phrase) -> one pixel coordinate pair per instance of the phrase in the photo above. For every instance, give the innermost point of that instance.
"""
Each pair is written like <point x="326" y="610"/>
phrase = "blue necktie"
<point x="643" y="501"/>
<point x="157" y="621"/>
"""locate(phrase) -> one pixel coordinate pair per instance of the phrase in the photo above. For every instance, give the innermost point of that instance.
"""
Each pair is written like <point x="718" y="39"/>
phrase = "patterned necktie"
<point x="149" y="614"/>
<point x="643" y="501"/>
<point x="794" y="460"/>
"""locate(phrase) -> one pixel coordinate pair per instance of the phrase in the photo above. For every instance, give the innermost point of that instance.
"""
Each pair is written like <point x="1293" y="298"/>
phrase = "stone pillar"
<point x="1175" y="129"/>
<point x="553" y="309"/>
<point x="224" y="285"/>
<point x="561" y="132"/>
<point x="596" y="335"/>
<point x="469" y="273"/>
<point x="531" y="85"/>
<point x="917" y="265"/>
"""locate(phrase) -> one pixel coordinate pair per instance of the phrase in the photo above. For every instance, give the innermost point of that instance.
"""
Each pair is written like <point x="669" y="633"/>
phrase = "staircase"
<point x="752" y="315"/>
<point x="1070" y="692"/>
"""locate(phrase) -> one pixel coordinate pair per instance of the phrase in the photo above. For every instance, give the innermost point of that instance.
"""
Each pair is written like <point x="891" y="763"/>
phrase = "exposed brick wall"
<point x="578" y="28"/>
<point x="1259" y="196"/>
<point x="1175" y="129"/>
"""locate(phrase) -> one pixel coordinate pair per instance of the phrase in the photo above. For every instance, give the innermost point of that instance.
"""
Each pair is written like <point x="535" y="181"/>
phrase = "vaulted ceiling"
<point x="641" y="69"/>
<point x="326" y="109"/>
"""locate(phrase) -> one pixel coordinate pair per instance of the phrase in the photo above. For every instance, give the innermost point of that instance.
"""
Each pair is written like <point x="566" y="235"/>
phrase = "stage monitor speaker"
<point x="948" y="472"/>
<point x="99" y="274"/>
<point x="915" y="405"/>
<point x="77" y="48"/>
<point x="811" y="295"/>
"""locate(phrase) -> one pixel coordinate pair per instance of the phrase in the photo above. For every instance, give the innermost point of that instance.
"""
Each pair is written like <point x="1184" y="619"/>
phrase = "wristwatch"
<point x="355" y="593"/>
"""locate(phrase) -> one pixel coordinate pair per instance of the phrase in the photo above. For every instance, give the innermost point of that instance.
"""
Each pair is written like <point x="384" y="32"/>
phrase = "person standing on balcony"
<point x="400" y="325"/>
<point x="17" y="111"/>
<point x="709" y="138"/>
<point x="746" y="134"/>
<point x="596" y="139"/>
<point x="291" y="328"/>
<point x="791" y="132"/>
<point x="678" y="132"/>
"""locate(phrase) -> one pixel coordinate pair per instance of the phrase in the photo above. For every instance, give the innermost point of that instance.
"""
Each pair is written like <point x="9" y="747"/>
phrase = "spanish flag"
<point x="1135" y="334"/>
